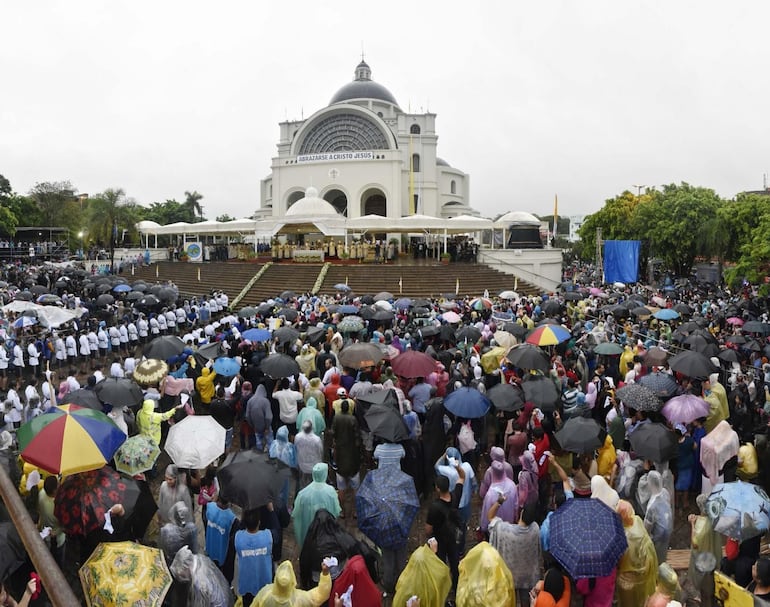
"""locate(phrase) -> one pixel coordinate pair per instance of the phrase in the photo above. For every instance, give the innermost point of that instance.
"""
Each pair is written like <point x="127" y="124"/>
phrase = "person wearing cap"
<point x="342" y="395"/>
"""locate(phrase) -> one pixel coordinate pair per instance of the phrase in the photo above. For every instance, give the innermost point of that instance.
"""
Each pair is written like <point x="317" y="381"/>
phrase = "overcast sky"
<point x="580" y="98"/>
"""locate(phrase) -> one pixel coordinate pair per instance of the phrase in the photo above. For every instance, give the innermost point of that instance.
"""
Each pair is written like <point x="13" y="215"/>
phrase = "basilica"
<point x="365" y="156"/>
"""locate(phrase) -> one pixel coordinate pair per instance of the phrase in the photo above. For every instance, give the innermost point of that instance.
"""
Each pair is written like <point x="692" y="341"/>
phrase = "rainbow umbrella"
<point x="481" y="303"/>
<point x="548" y="335"/>
<point x="69" y="439"/>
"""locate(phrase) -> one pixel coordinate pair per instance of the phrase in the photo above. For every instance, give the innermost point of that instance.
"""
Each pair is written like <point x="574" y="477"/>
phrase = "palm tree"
<point x="108" y="214"/>
<point x="193" y="205"/>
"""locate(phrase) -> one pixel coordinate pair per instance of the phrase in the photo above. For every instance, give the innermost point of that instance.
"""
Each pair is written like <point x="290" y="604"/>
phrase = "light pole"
<point x="638" y="190"/>
<point x="81" y="234"/>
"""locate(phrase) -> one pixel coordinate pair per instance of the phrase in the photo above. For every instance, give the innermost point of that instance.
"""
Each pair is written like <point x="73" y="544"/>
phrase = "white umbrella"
<point x="383" y="305"/>
<point x="195" y="442"/>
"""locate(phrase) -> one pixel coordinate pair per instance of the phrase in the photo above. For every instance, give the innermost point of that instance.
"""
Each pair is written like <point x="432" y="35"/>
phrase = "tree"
<point x="193" y="205"/>
<point x="170" y="211"/>
<point x="8" y="219"/>
<point x="754" y="263"/>
<point x="225" y="217"/>
<point x="110" y="215"/>
<point x="57" y="202"/>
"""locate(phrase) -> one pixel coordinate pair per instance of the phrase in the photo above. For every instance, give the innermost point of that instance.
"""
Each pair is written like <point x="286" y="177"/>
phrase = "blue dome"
<point x="363" y="87"/>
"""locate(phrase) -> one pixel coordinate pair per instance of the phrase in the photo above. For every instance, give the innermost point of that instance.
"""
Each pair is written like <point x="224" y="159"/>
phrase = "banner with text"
<point x="335" y="156"/>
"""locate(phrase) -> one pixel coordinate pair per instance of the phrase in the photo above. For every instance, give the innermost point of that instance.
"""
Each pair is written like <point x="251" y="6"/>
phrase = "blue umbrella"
<point x="227" y="366"/>
<point x="256" y="335"/>
<point x="587" y="538"/>
<point x="24" y="321"/>
<point x="402" y="303"/>
<point x="347" y="309"/>
<point x="467" y="402"/>
<point x="666" y="314"/>
<point x="662" y="385"/>
<point x="340" y="286"/>
<point x="122" y="288"/>
<point x="386" y="505"/>
<point x="739" y="510"/>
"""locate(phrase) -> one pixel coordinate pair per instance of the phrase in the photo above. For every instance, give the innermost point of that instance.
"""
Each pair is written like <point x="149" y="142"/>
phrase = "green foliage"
<point x="754" y="261"/>
<point x="563" y="223"/>
<point x="111" y="219"/>
<point x="57" y="202"/>
<point x="192" y="203"/>
<point x="167" y="212"/>
<point x="8" y="218"/>
<point x="225" y="217"/>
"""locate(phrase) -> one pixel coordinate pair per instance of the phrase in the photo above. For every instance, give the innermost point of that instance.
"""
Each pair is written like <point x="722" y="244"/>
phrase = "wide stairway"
<point x="418" y="280"/>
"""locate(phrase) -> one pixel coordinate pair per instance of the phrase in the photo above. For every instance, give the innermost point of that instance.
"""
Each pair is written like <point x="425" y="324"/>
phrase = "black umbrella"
<point x="467" y="333"/>
<point x="383" y="315"/>
<point x="134" y="296"/>
<point x="211" y="351"/>
<point x="573" y="296"/>
<point x="754" y="326"/>
<point x="541" y="391"/>
<point x="654" y="442"/>
<point x="639" y="397"/>
<point x="252" y="484"/>
<point x="315" y="334"/>
<point x="84" y="398"/>
<point x="286" y="335"/>
<point x="38" y="289"/>
<point x="367" y="312"/>
<point x="640" y="311"/>
<point x="663" y="385"/>
<point x="103" y="288"/>
<point x="279" y="365"/>
<point x="148" y="301"/>
<point x="385" y="422"/>
<point x="506" y="397"/>
<point x="139" y="287"/>
<point x="428" y="331"/>
<point x="693" y="364"/>
<point x="683" y="309"/>
<point x="728" y="355"/>
<point x="289" y="314"/>
<point x="164" y="347"/>
<point x="119" y="392"/>
<point x="105" y="300"/>
<point x="551" y="307"/>
<point x="13" y="554"/>
<point x="580" y="435"/>
<point x="656" y="356"/>
<point x="359" y="355"/>
<point x="527" y="356"/>
<point x="367" y="299"/>
<point x="24" y="296"/>
<point x="515" y="329"/>
<point x="168" y="294"/>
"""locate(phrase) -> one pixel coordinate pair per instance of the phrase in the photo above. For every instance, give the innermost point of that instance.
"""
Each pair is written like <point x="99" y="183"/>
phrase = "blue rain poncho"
<point x="316" y="496"/>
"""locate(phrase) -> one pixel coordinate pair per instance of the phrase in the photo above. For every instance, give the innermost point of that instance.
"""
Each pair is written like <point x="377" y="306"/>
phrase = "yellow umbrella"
<point x="491" y="360"/>
<point x="123" y="574"/>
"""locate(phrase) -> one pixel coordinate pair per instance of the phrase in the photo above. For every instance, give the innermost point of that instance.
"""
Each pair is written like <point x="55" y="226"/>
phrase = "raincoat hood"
<point x="261" y="392"/>
<point x="315" y="383"/>
<point x="497" y="454"/>
<point x="454" y="452"/>
<point x="311" y="403"/>
<point x="285" y="580"/>
<point x="205" y="372"/>
<point x="180" y="514"/>
<point x="320" y="472"/>
<point x="282" y="435"/>
<point x="148" y="406"/>
<point x="601" y="491"/>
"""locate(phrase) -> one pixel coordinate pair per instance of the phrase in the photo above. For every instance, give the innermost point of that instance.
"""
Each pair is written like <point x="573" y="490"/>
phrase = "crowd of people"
<point x="489" y="485"/>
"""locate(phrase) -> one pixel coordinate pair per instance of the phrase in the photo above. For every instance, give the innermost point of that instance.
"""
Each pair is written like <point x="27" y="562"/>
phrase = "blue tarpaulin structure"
<point x="621" y="261"/>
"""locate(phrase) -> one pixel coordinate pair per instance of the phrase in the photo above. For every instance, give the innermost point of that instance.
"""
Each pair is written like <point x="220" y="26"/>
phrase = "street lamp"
<point x="638" y="190"/>
<point x="81" y="234"/>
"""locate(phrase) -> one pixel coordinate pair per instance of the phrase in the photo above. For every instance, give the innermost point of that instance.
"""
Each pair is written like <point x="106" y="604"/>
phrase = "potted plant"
<point x="445" y="258"/>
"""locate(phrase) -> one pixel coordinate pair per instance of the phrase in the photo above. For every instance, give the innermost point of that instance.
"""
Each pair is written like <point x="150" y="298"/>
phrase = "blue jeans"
<point x="264" y="439"/>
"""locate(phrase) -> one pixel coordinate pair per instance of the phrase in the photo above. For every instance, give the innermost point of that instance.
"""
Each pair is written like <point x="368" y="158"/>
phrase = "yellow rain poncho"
<point x="485" y="580"/>
<point x="607" y="458"/>
<point x="283" y="592"/>
<point x="638" y="567"/>
<point x="425" y="576"/>
<point x="490" y="362"/>
<point x="703" y="538"/>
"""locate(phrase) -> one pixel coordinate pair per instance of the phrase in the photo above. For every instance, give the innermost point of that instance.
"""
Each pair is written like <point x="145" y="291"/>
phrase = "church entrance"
<point x="338" y="200"/>
<point x="373" y="202"/>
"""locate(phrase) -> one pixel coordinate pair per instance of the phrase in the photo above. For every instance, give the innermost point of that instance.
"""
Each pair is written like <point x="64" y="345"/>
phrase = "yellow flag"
<point x="555" y="213"/>
<point x="457" y="286"/>
<point x="199" y="274"/>
<point x="400" y="285"/>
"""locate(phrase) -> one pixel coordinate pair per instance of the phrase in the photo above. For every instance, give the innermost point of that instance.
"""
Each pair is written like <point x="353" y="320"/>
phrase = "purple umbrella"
<point x="685" y="408"/>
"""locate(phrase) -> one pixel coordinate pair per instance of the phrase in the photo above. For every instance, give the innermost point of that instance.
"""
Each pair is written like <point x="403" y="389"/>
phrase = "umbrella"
<point x="48" y="299"/>
<point x="82" y="499"/>
<point x="402" y="303"/>
<point x="542" y="391"/>
<point x="428" y="331"/>
<point x="467" y="402"/>
<point x="136" y="455"/>
<point x="468" y="333"/>
<point x="316" y="334"/>
<point x="608" y="348"/>
<point x="227" y="367"/>
<point x="480" y="303"/>
<point x="508" y="295"/>
<point x="383" y="315"/>
<point x="698" y="343"/>
<point x="134" y="296"/>
<point x="340" y="286"/>
<point x="528" y="357"/>
<point x="386" y="506"/>
<point x="14" y="554"/>
<point x="580" y="435"/>
<point x="693" y="364"/>
<point x="412" y="364"/>
<point x="385" y="422"/>
<point x="383" y="296"/>
<point x="289" y="314"/>
<point x="38" y="289"/>
<point x="728" y="355"/>
<point x="552" y="307"/>
<point x="148" y="301"/>
<point x="210" y="351"/>
<point x="587" y="538"/>
<point x="254" y="482"/>
<point x="69" y="439"/>
<point x="118" y="574"/>
<point x="105" y="300"/>
<point x="735" y="320"/>
<point x="666" y="314"/>
<point x="515" y="329"/>
<point x="739" y="510"/>
<point x="640" y="311"/>
<point x="348" y="309"/>
<point x="548" y="335"/>
<point x="382" y="304"/>
<point x="195" y="442"/>
<point x="286" y="295"/>
<point x="639" y="397"/>
<point x="573" y="296"/>
<point x="256" y="335"/>
<point x="656" y="357"/>
<point x="164" y="347"/>
<point x="150" y="371"/>
<point x="247" y="312"/>
<point x="360" y="355"/>
<point x="121" y="288"/>
<point x="654" y="442"/>
<point x="23" y="296"/>
<point x="683" y="309"/>
<point x="504" y="339"/>
<point x="24" y="321"/>
<point x="506" y="397"/>
<point x="285" y="335"/>
<point x="451" y="317"/>
<point x="752" y="326"/>
<point x="685" y="408"/>
<point x="279" y="365"/>
<point x="82" y="398"/>
<point x="119" y="392"/>
<point x="661" y="384"/>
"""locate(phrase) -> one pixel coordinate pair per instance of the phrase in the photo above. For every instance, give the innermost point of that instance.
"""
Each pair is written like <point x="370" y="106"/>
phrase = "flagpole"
<point x="555" y="215"/>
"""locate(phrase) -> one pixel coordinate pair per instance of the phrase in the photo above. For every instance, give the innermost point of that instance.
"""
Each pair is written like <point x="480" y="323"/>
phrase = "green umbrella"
<point x="137" y="454"/>
<point x="608" y="348"/>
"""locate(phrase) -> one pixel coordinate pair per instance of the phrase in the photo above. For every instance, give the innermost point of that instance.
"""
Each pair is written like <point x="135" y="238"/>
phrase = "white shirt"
<point x="61" y="349"/>
<point x="123" y="330"/>
<point x="114" y="337"/>
<point x="287" y="401"/>
<point x="85" y="348"/>
<point x="133" y="332"/>
<point x="73" y="383"/>
<point x="116" y="370"/>
<point x="71" y="345"/>
<point x="162" y="322"/>
<point x="129" y="364"/>
<point x="98" y="375"/>
<point x="3" y="357"/>
<point x="33" y="354"/>
<point x="142" y="326"/>
<point x="18" y="356"/>
<point x="14" y="413"/>
<point x="93" y="341"/>
<point x="104" y="340"/>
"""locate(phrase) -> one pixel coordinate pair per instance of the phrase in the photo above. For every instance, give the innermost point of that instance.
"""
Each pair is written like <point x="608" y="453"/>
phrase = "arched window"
<point x="415" y="163"/>
<point x="453" y="187"/>
<point x="414" y="129"/>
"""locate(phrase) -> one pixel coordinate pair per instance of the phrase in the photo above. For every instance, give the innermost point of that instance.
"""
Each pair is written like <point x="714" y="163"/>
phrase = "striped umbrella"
<point x="69" y="439"/>
<point x="548" y="335"/>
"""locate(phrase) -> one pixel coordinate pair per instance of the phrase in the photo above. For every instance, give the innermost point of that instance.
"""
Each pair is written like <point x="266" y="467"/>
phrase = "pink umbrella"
<point x="734" y="320"/>
<point x="451" y="317"/>
<point x="659" y="301"/>
<point x="685" y="408"/>
<point x="596" y="291"/>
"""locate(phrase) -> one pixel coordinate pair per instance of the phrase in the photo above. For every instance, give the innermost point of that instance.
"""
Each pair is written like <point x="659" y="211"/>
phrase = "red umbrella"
<point x="413" y="364"/>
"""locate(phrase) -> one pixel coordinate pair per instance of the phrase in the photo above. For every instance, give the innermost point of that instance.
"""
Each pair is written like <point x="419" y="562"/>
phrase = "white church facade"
<point x="365" y="156"/>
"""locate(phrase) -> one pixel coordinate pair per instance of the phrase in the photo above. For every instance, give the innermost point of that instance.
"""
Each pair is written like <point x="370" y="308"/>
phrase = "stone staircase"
<point x="410" y="280"/>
